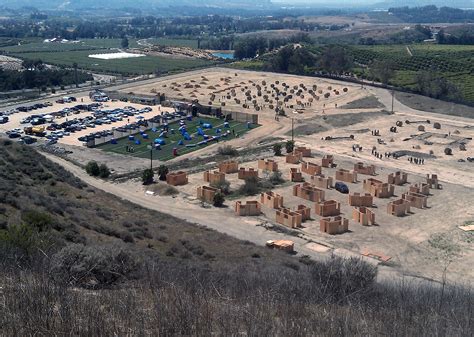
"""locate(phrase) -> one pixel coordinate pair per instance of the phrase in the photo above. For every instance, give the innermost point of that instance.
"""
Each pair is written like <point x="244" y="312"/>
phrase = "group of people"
<point x="418" y="161"/>
<point x="129" y="149"/>
<point x="375" y="132"/>
<point x="356" y="148"/>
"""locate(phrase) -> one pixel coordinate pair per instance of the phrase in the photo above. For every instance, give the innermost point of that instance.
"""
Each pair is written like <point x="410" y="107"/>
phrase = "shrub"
<point x="290" y="145"/>
<point x="276" y="178"/>
<point x="92" y="169"/>
<point x="163" y="170"/>
<point x="250" y="187"/>
<point x="227" y="150"/>
<point x="224" y="186"/>
<point x="448" y="151"/>
<point x="104" y="171"/>
<point x="147" y="177"/>
<point x="35" y="219"/>
<point x="93" y="266"/>
<point x="219" y="199"/>
<point x="277" y="149"/>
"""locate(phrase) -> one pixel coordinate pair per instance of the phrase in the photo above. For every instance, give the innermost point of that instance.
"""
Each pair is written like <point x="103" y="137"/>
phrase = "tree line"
<point x="36" y="75"/>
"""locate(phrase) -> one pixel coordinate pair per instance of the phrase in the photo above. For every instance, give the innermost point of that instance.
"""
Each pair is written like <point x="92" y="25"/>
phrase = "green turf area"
<point x="140" y="65"/>
<point x="166" y="152"/>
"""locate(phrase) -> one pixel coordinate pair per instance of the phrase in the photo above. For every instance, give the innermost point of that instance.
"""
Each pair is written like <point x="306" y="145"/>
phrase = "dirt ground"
<point x="426" y="243"/>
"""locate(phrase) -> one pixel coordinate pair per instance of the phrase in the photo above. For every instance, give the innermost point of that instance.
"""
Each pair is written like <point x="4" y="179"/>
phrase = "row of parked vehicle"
<point x="33" y="107"/>
<point x="98" y="117"/>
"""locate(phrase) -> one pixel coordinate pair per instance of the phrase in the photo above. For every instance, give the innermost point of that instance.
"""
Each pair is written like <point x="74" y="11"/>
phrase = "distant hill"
<point x="141" y="4"/>
<point x="419" y="3"/>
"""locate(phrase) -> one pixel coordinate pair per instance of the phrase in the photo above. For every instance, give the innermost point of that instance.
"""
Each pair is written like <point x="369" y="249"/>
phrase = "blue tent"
<point x="157" y="147"/>
<point x="131" y="137"/>
<point x="200" y="132"/>
<point x="160" y="141"/>
<point x="226" y="125"/>
<point x="145" y="136"/>
<point x="113" y="141"/>
<point x="207" y="126"/>
<point x="218" y="131"/>
<point x="187" y="136"/>
<point x="154" y="129"/>
<point x="189" y="118"/>
<point x="181" y="142"/>
<point x="137" y="142"/>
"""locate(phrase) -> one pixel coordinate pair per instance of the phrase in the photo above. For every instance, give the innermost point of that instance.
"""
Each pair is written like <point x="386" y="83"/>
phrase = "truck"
<point x="38" y="131"/>
<point x="284" y="245"/>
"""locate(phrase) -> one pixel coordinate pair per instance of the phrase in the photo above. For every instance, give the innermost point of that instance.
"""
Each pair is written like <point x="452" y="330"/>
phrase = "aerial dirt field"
<point x="354" y="126"/>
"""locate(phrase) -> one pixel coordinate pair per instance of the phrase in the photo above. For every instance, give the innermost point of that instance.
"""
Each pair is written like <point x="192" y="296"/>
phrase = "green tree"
<point x="124" y="43"/>
<point x="104" y="171"/>
<point x="147" y="177"/>
<point x="290" y="145"/>
<point x="219" y="199"/>
<point x="335" y="60"/>
<point x="277" y="149"/>
<point x="92" y="169"/>
<point x="382" y="70"/>
<point x="163" y="170"/>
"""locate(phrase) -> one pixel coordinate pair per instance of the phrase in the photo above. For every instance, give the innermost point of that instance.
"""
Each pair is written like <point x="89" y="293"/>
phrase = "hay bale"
<point x="437" y="125"/>
<point x="448" y="151"/>
<point x="421" y="128"/>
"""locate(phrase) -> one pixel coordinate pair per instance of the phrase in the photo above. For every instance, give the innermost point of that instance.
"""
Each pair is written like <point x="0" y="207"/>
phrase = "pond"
<point x="224" y="55"/>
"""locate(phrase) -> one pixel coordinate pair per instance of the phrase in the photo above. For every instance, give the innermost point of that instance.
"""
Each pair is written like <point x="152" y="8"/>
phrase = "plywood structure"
<point x="357" y="199"/>
<point x="267" y="165"/>
<point x="417" y="200"/>
<point x="308" y="192"/>
<point x="207" y="193"/>
<point x="346" y="176"/>
<point x="364" y="216"/>
<point x="321" y="181"/>
<point x="398" y="207"/>
<point x="288" y="218"/>
<point x="295" y="175"/>
<point x="378" y="189"/>
<point x="284" y="245"/>
<point x="250" y="208"/>
<point x="311" y="168"/>
<point x="214" y="177"/>
<point x="327" y="161"/>
<point x="432" y="181"/>
<point x="398" y="178"/>
<point x="328" y="208"/>
<point x="177" y="178"/>
<point x="229" y="167"/>
<point x="336" y="225"/>
<point x="293" y="158"/>
<point x="305" y="152"/>
<point x="271" y="199"/>
<point x="364" y="169"/>
<point x="305" y="212"/>
<point x="420" y="188"/>
<point x="247" y="173"/>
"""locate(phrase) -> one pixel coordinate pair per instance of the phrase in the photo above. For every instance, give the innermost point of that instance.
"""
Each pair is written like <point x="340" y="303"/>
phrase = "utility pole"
<point x="151" y="156"/>
<point x="393" y="94"/>
<point x="292" y="129"/>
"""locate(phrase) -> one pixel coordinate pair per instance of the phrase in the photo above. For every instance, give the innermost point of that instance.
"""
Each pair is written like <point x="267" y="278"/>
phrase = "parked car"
<point x="341" y="187"/>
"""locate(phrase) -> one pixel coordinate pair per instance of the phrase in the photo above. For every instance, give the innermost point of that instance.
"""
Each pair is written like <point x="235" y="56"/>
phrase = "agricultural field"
<point x="137" y="66"/>
<point x="83" y="44"/>
<point x="166" y="151"/>
<point x="455" y="63"/>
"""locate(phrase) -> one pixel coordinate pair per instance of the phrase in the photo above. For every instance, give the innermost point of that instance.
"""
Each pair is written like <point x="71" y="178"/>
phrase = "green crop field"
<point x="166" y="152"/>
<point x="84" y="44"/>
<point x="174" y="42"/>
<point x="131" y="66"/>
